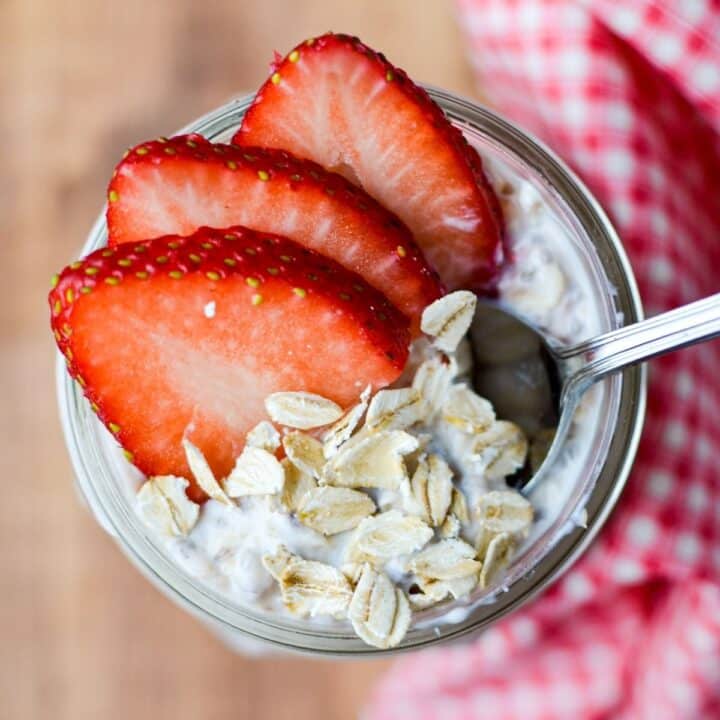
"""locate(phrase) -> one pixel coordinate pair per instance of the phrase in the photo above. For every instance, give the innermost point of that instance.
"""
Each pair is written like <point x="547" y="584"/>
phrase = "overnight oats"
<point x="283" y="340"/>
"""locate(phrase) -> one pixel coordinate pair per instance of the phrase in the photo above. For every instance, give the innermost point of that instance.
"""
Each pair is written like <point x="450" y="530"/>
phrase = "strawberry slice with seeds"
<point x="178" y="185"/>
<point x="185" y="337"/>
<point x="336" y="101"/>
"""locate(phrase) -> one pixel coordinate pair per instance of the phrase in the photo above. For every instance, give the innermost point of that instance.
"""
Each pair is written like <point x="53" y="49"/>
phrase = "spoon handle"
<point x="591" y="360"/>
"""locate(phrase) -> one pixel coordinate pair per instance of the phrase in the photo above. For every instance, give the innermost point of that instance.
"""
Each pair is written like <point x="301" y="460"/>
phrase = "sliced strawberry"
<point x="336" y="101"/>
<point x="178" y="337"/>
<point x="178" y="185"/>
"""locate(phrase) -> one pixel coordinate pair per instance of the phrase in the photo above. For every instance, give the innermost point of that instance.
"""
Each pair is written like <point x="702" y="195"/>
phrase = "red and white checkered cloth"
<point x="628" y="92"/>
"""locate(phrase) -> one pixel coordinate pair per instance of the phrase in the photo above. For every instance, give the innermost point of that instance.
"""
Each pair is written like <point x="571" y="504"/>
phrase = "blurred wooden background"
<point x="82" y="635"/>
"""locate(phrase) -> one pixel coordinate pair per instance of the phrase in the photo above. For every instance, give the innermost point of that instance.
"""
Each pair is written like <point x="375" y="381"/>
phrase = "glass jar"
<point x="598" y="478"/>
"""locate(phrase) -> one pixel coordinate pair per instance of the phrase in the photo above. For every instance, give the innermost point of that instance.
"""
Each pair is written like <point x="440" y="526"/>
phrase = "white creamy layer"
<point x="549" y="284"/>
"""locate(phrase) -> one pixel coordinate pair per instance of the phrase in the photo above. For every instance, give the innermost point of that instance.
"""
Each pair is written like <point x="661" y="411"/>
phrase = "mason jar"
<point x="590" y="489"/>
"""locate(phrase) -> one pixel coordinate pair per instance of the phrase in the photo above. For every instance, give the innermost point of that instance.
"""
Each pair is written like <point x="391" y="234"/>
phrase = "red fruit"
<point x="336" y="101"/>
<point x="178" y="337"/>
<point x="178" y="185"/>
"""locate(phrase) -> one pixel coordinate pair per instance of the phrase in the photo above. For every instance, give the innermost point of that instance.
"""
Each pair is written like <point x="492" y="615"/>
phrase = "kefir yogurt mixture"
<point x="447" y="524"/>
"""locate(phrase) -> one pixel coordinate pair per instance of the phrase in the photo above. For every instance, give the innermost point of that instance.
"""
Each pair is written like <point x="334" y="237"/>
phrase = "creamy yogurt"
<point x="548" y="283"/>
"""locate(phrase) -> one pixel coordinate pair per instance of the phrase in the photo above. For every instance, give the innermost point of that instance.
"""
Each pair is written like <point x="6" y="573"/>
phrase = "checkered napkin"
<point x="628" y="92"/>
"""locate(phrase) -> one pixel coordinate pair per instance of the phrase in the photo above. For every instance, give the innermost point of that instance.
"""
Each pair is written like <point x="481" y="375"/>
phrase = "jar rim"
<point x="117" y="517"/>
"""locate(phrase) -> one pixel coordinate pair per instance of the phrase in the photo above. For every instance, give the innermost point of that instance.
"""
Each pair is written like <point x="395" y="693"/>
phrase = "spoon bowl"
<point x="534" y="381"/>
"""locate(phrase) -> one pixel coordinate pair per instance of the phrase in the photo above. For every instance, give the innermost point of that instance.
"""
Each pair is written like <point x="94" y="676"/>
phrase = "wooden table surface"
<point x="82" y="635"/>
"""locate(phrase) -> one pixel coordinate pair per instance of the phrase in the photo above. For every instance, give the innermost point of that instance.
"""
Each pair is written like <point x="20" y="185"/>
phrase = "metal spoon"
<point x="537" y="383"/>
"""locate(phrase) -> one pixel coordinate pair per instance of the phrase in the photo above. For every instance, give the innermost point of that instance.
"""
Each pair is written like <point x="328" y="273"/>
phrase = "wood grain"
<point x="82" y="635"/>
